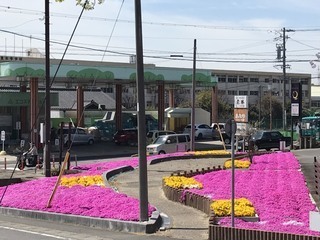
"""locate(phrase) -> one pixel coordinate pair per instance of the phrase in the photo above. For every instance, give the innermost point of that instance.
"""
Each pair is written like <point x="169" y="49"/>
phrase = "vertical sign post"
<point x="296" y="106"/>
<point x="18" y="127"/>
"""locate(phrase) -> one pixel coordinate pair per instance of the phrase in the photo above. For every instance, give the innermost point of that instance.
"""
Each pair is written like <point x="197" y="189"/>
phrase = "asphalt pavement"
<point x="181" y="222"/>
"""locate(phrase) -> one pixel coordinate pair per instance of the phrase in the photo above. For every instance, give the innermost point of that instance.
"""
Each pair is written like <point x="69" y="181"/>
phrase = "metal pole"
<point x="270" y="105"/>
<point x="284" y="78"/>
<point x="259" y="107"/>
<point x="232" y="174"/>
<point x="143" y="176"/>
<point x="47" y="148"/>
<point x="193" y="97"/>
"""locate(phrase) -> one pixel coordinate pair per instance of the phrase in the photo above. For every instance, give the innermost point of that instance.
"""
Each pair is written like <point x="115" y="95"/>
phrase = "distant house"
<point x="96" y="104"/>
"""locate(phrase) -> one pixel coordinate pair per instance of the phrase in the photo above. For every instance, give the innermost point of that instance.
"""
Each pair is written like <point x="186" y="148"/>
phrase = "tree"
<point x="204" y="101"/>
<point x="276" y="111"/>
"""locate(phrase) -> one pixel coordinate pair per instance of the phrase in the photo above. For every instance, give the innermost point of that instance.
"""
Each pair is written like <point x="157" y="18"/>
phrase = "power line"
<point x="9" y="9"/>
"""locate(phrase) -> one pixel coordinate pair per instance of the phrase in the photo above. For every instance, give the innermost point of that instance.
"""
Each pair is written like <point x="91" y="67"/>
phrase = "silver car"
<point x="201" y="131"/>
<point x="77" y="136"/>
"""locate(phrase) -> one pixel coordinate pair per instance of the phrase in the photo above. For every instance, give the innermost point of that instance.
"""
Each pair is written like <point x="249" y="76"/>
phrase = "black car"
<point x="267" y="140"/>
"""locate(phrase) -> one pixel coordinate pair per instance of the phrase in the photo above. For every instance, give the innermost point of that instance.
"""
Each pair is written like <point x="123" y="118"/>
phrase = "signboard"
<point x="314" y="219"/>
<point x="18" y="125"/>
<point x="240" y="101"/>
<point x="296" y="99"/>
<point x="295" y="110"/>
<point x="241" y="115"/>
<point x="18" y="99"/>
<point x="230" y="128"/>
<point x="242" y="128"/>
<point x="3" y="135"/>
<point x="22" y="143"/>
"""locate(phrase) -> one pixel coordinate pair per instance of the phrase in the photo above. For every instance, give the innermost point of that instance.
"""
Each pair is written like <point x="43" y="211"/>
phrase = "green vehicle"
<point x="310" y="127"/>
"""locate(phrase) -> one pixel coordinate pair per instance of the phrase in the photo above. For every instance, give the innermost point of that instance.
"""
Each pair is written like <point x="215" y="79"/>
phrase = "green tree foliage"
<point x="276" y="110"/>
<point x="204" y="101"/>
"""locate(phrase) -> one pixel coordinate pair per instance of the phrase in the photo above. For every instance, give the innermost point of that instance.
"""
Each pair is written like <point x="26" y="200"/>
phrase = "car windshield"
<point x="257" y="134"/>
<point x="160" y="140"/>
<point x="149" y="135"/>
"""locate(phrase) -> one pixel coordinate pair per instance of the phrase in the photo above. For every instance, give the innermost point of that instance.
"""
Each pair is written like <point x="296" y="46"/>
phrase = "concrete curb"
<point x="149" y="226"/>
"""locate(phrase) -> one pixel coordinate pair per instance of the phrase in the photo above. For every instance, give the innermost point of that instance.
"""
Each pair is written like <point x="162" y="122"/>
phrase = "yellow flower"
<point x="242" y="163"/>
<point x="242" y="208"/>
<point x="211" y="152"/>
<point x="82" y="180"/>
<point x="182" y="182"/>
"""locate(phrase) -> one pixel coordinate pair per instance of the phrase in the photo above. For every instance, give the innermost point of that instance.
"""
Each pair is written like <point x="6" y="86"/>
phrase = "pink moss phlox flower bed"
<point x="275" y="186"/>
<point x="273" y="183"/>
<point x="93" y="201"/>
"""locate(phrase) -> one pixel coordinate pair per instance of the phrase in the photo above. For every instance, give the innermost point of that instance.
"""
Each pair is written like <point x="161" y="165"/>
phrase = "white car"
<point x="154" y="134"/>
<point x="201" y="131"/>
<point x="170" y="144"/>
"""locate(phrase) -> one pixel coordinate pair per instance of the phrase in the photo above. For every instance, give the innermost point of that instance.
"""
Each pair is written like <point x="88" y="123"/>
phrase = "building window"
<point x="243" y="92"/>
<point x="254" y="80"/>
<point x="107" y="90"/>
<point x="232" y="92"/>
<point x="275" y="80"/>
<point x="243" y="79"/>
<point x="254" y="93"/>
<point x="222" y="78"/>
<point x="266" y="80"/>
<point x="304" y="81"/>
<point x="232" y="79"/>
<point x="305" y="94"/>
<point x="221" y="92"/>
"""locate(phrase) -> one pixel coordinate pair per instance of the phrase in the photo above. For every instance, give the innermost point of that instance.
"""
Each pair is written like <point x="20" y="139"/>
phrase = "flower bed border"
<point x="150" y="226"/>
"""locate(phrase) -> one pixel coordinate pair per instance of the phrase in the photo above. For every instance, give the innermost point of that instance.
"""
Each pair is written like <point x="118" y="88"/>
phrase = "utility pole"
<point x="47" y="146"/>
<point x="284" y="76"/>
<point x="284" y="66"/>
<point x="193" y="96"/>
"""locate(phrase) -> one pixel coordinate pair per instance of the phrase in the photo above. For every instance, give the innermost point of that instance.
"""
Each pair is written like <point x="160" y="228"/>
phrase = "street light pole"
<point x="47" y="146"/>
<point x="193" y="96"/>
<point x="143" y="177"/>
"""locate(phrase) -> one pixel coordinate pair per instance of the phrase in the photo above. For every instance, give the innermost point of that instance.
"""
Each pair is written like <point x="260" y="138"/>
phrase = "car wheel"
<point x="268" y="149"/>
<point x="199" y="136"/>
<point x="90" y="142"/>
<point x="256" y="148"/>
<point x="227" y="141"/>
<point x="162" y="152"/>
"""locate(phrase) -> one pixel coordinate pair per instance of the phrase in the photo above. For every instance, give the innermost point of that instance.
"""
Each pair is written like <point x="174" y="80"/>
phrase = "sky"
<point x="230" y="35"/>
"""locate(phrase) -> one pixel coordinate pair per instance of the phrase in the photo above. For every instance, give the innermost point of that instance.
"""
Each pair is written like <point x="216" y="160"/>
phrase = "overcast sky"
<point x="234" y="35"/>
